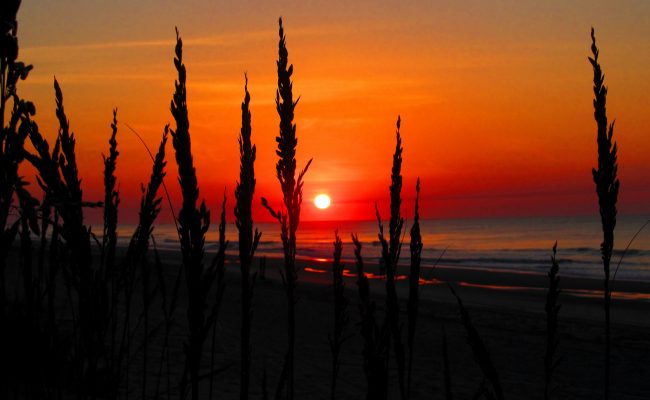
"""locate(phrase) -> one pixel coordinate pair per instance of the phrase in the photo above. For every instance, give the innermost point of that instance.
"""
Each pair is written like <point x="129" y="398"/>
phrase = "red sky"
<point x="495" y="99"/>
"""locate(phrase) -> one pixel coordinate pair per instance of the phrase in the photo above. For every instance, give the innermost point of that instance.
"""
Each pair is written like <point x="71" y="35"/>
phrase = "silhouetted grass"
<point x="552" y="309"/>
<point x="59" y="179"/>
<point x="193" y="225"/>
<point x="248" y="240"/>
<point x="390" y="256"/>
<point x="337" y="338"/>
<point x="607" y="186"/>
<point x="292" y="199"/>
<point x="111" y="203"/>
<point x="13" y="133"/>
<point x="414" y="283"/>
<point x="149" y="210"/>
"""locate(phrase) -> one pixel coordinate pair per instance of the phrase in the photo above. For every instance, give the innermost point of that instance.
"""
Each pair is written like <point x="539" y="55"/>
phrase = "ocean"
<point x="522" y="245"/>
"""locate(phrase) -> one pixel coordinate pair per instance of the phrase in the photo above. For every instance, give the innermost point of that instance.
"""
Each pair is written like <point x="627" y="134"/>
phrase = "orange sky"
<point x="495" y="99"/>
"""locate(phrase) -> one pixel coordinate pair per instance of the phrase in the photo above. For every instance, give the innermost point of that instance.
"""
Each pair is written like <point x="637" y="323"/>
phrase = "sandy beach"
<point x="507" y="309"/>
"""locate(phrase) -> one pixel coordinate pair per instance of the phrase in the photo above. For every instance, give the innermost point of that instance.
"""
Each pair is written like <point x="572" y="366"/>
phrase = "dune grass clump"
<point x="289" y="218"/>
<point x="607" y="186"/>
<point x="552" y="309"/>
<point x="248" y="240"/>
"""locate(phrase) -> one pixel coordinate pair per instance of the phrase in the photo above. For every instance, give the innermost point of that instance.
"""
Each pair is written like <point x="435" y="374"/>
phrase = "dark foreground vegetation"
<point x="90" y="321"/>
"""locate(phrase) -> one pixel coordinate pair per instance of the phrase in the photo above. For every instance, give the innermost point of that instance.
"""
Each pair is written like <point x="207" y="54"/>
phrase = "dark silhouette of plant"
<point x="481" y="354"/>
<point x="248" y="240"/>
<point x="552" y="309"/>
<point x="193" y="225"/>
<point x="59" y="179"/>
<point x="12" y="135"/>
<point x="414" y="283"/>
<point x="292" y="199"/>
<point x="607" y="186"/>
<point x="149" y="210"/>
<point x="109" y="237"/>
<point x="375" y="338"/>
<point x="390" y="256"/>
<point x="111" y="201"/>
<point x="336" y="339"/>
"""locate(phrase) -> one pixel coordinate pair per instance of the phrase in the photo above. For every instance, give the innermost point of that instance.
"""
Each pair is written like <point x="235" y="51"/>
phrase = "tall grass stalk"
<point x="390" y="255"/>
<point x="414" y="283"/>
<point x="552" y="309"/>
<point x="194" y="221"/>
<point x="136" y="262"/>
<point x="607" y="187"/>
<point x="292" y="198"/>
<point x="111" y="202"/>
<point x="248" y="240"/>
<point x="109" y="237"/>
<point x="149" y="210"/>
<point x="337" y="338"/>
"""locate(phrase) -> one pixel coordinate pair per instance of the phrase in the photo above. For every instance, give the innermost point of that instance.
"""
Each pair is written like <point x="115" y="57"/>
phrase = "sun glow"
<point x="322" y="201"/>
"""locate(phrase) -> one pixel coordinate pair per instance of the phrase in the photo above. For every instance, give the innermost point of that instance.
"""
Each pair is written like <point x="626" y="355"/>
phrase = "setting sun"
<point x="322" y="201"/>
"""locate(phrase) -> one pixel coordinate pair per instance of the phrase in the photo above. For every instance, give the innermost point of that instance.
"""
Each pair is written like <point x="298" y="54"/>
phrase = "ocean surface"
<point x="521" y="245"/>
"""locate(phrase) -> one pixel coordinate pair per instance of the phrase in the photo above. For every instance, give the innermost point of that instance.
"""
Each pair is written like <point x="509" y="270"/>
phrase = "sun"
<point x="322" y="201"/>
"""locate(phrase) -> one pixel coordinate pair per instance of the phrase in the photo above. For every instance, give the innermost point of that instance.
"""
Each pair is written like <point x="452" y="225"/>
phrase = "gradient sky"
<point x="495" y="97"/>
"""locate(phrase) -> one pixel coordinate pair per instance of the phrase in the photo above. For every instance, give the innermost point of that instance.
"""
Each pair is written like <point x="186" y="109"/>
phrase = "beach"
<point x="507" y="310"/>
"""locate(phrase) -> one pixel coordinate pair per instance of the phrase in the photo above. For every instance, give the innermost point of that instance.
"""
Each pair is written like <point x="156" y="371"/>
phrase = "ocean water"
<point x="521" y="245"/>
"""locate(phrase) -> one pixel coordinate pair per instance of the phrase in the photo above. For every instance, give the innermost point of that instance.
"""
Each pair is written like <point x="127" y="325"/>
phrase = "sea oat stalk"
<point x="390" y="255"/>
<point x="607" y="186"/>
<point x="193" y="223"/>
<point x="248" y="240"/>
<point x="291" y="195"/>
